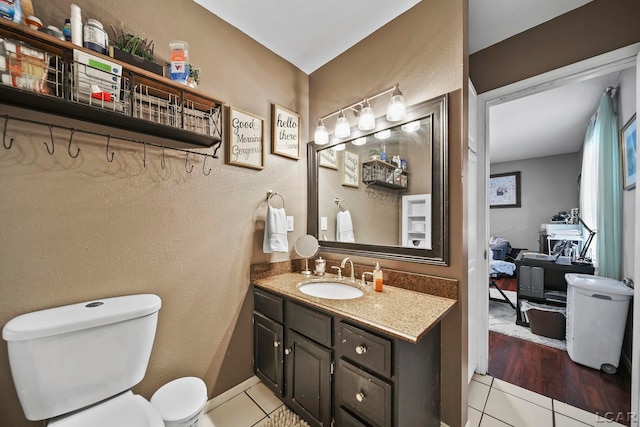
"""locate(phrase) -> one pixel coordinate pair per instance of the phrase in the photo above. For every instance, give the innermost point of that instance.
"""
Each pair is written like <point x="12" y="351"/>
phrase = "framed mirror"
<point x="383" y="193"/>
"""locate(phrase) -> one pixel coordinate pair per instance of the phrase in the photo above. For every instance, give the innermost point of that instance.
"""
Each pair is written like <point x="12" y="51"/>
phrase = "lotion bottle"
<point x="377" y="278"/>
<point x="76" y="25"/>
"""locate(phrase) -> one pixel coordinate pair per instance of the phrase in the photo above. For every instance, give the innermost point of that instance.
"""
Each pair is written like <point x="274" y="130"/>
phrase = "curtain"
<point x="601" y="189"/>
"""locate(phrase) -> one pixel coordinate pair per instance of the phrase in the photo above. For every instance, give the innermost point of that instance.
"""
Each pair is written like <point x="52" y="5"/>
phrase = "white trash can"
<point x="596" y="318"/>
<point x="181" y="402"/>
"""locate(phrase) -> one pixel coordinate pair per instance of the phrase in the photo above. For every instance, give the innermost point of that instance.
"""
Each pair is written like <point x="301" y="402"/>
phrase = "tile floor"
<point x="492" y="403"/>
<point x="495" y="403"/>
<point x="247" y="405"/>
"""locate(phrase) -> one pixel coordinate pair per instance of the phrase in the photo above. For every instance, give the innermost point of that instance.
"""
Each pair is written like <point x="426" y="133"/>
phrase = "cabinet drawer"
<point x="366" y="396"/>
<point x="345" y="419"/>
<point x="310" y="323"/>
<point x="364" y="348"/>
<point x="268" y="304"/>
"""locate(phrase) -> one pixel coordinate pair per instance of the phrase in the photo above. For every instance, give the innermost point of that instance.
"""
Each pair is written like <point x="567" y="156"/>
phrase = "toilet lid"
<point x="124" y="410"/>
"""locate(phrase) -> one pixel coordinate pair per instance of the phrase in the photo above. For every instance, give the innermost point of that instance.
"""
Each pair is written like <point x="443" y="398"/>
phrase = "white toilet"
<point x="75" y="365"/>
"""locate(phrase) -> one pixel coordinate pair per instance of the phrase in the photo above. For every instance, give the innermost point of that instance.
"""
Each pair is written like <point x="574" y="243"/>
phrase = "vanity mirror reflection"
<point x="383" y="193"/>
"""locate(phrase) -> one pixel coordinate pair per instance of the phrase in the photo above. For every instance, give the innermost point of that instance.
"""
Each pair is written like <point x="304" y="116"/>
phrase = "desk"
<point x="537" y="278"/>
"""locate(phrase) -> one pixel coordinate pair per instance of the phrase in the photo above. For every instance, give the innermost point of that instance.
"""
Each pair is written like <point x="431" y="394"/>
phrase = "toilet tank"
<point x="65" y="358"/>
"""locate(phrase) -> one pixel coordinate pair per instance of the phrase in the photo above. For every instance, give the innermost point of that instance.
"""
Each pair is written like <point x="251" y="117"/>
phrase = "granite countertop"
<point x="401" y="313"/>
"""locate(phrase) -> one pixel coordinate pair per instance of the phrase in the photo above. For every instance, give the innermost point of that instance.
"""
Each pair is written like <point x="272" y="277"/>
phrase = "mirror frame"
<point x="439" y="254"/>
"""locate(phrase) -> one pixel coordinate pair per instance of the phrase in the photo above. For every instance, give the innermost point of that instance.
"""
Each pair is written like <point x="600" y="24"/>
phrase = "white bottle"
<point x="76" y="25"/>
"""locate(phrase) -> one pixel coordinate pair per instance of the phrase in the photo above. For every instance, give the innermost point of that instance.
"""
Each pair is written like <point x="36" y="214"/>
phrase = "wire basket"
<point x="30" y="69"/>
<point x="99" y="88"/>
<point x="155" y="105"/>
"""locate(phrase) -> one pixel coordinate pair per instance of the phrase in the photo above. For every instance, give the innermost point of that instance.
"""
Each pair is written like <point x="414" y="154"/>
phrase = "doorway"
<point x="603" y="65"/>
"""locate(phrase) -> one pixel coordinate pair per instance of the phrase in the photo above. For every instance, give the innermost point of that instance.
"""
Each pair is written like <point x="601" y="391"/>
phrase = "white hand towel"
<point x="275" y="231"/>
<point x="344" y="227"/>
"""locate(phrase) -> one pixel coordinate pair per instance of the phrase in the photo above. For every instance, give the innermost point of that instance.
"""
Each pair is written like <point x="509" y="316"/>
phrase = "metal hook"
<point x="203" y="163"/>
<point x="186" y="161"/>
<point x="53" y="147"/>
<point x="107" y="152"/>
<point x="162" y="163"/>
<point x="4" y="134"/>
<point x="69" y="148"/>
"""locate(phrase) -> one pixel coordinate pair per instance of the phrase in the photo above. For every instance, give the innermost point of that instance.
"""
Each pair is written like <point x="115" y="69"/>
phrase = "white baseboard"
<point x="231" y="393"/>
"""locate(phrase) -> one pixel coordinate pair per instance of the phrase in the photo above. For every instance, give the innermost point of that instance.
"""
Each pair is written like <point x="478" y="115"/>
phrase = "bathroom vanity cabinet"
<point x="335" y="371"/>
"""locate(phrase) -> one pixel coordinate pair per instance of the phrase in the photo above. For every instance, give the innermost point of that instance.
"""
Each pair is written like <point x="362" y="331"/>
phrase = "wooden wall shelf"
<point x="42" y="74"/>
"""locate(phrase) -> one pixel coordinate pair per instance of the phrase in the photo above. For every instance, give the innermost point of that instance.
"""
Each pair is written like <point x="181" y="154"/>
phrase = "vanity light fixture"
<point x="396" y="110"/>
<point x="367" y="119"/>
<point x="411" y="126"/>
<point x="343" y="130"/>
<point x="360" y="141"/>
<point x="383" y="134"/>
<point x="339" y="147"/>
<point x="321" y="136"/>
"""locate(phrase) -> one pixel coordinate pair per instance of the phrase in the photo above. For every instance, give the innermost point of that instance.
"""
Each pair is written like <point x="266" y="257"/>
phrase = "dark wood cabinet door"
<point x="308" y="379"/>
<point x="267" y="352"/>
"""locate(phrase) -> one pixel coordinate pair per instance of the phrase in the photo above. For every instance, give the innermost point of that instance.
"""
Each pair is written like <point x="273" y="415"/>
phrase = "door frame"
<point x="635" y="351"/>
<point x="606" y="63"/>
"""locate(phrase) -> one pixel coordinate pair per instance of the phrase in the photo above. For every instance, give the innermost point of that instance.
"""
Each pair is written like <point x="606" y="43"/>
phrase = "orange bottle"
<point x="377" y="278"/>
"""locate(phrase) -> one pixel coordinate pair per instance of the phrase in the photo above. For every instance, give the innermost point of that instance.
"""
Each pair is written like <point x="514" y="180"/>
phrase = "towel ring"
<point x="342" y="205"/>
<point x="272" y="193"/>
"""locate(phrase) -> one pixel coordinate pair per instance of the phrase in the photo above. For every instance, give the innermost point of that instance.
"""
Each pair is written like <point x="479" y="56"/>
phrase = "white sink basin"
<point x="330" y="290"/>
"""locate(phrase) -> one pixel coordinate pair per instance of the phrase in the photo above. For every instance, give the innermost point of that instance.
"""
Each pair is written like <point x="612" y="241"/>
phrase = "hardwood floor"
<point x="507" y="283"/>
<point x="552" y="373"/>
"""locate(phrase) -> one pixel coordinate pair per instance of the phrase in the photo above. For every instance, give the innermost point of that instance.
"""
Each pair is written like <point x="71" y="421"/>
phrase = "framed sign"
<point x="504" y="190"/>
<point x="350" y="169"/>
<point x="628" y="147"/>
<point x="328" y="158"/>
<point x="285" y="132"/>
<point x="245" y="139"/>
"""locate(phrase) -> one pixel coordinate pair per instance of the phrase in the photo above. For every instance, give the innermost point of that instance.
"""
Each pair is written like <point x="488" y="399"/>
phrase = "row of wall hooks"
<point x="385" y="196"/>
<point x="110" y="154"/>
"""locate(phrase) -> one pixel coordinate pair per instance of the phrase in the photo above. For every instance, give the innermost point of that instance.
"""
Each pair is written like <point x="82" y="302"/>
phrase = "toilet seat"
<point x="124" y="410"/>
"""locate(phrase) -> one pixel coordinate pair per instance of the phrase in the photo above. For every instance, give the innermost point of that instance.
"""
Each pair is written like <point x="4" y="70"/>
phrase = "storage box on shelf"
<point x="383" y="174"/>
<point x="43" y="73"/>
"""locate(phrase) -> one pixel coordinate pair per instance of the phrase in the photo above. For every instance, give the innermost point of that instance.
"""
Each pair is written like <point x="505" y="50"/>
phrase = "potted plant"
<point x="194" y="76"/>
<point x="374" y="154"/>
<point x="135" y="50"/>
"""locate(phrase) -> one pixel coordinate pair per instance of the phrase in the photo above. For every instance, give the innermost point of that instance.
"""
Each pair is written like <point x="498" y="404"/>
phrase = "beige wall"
<point x="595" y="28"/>
<point x="76" y="230"/>
<point x="424" y="51"/>
<point x="83" y="229"/>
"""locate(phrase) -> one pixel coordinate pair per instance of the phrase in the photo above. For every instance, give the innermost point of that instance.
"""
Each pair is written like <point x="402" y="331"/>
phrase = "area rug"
<point x="284" y="417"/>
<point x="502" y="319"/>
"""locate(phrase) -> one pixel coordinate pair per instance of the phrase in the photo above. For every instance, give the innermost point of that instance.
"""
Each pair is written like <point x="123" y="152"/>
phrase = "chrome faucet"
<point x="339" y="271"/>
<point x="363" y="281"/>
<point x="342" y="265"/>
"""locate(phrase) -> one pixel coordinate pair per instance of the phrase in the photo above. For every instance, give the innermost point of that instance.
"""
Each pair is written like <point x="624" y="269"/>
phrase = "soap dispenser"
<point x="377" y="278"/>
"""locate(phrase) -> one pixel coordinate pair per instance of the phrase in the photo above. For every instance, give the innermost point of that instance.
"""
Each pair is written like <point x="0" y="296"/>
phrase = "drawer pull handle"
<point x="361" y="349"/>
<point x="276" y="344"/>
<point x="287" y="350"/>
<point x="360" y="396"/>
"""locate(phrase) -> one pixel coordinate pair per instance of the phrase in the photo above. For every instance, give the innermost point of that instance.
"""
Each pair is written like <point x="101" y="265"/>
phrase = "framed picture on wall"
<point x="504" y="190"/>
<point x="328" y="158"/>
<point x="350" y="169"/>
<point x="628" y="147"/>
<point x="245" y="139"/>
<point x="285" y="132"/>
